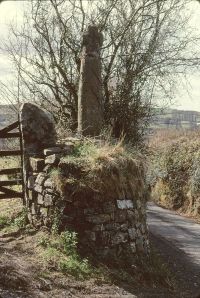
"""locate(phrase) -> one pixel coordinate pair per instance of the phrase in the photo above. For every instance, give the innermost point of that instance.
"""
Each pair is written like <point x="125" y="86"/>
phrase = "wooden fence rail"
<point x="9" y="193"/>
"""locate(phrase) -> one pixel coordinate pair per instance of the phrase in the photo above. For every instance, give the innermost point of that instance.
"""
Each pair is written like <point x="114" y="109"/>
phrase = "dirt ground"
<point x="24" y="274"/>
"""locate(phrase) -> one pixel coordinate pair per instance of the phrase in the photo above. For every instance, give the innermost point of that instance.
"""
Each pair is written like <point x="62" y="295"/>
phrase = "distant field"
<point x="10" y="207"/>
<point x="9" y="162"/>
<point x="7" y="114"/>
<point x="6" y="163"/>
<point x="178" y="119"/>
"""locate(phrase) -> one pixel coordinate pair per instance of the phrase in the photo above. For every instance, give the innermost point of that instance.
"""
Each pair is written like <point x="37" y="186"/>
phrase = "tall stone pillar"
<point x="90" y="107"/>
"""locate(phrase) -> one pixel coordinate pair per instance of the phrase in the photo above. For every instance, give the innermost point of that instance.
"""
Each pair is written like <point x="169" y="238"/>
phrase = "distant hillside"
<point x="172" y="118"/>
<point x="7" y="115"/>
<point x="166" y="118"/>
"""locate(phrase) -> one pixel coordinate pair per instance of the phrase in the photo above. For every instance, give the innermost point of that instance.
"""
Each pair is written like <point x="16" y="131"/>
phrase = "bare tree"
<point x="148" y="46"/>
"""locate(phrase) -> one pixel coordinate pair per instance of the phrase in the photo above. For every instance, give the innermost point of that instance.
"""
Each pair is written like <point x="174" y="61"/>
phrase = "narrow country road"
<point x="177" y="239"/>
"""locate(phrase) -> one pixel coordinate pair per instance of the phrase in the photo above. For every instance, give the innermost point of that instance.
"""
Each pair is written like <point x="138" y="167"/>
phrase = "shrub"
<point x="174" y="171"/>
<point x="60" y="252"/>
<point x="4" y="221"/>
<point x="21" y="219"/>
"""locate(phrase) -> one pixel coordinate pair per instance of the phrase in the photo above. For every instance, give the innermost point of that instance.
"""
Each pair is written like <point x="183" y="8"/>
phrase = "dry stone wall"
<point x="109" y="226"/>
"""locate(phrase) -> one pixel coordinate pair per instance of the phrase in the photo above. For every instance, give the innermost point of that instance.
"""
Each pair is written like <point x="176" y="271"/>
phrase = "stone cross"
<point x="90" y="107"/>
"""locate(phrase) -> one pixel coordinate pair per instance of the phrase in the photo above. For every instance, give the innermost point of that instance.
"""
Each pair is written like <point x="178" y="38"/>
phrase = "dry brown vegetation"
<point x="164" y="137"/>
<point x="102" y="167"/>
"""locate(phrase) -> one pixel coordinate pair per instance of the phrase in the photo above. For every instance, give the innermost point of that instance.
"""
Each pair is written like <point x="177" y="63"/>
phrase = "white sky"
<point x="12" y="11"/>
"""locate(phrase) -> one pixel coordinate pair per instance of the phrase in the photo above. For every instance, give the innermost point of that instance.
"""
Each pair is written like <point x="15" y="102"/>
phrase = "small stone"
<point x="72" y="140"/>
<point x="102" y="252"/>
<point x="133" y="247"/>
<point x="112" y="226"/>
<point x="29" y="217"/>
<point x="124" y="227"/>
<point x="119" y="237"/>
<point x="98" y="219"/>
<point x="33" y="209"/>
<point x="125" y="204"/>
<point x="47" y="221"/>
<point x="40" y="178"/>
<point x="138" y="224"/>
<point x="40" y="199"/>
<point x="49" y="191"/>
<point x="139" y="204"/>
<point x="131" y="216"/>
<point x="88" y="211"/>
<point x="143" y="210"/>
<point x="45" y="284"/>
<point x="120" y="216"/>
<point x="48" y="183"/>
<point x="36" y="164"/>
<point x="98" y="228"/>
<point x="139" y="245"/>
<point x="105" y="238"/>
<point x="44" y="212"/>
<point x="109" y="207"/>
<point x="132" y="233"/>
<point x="143" y="229"/>
<point x="139" y="234"/>
<point x="47" y="168"/>
<point x="91" y="236"/>
<point x="68" y="148"/>
<point x="52" y="159"/>
<point x="31" y="182"/>
<point x="38" y="188"/>
<point x="48" y="200"/>
<point x="30" y="195"/>
<point x="52" y="150"/>
<point x="137" y="215"/>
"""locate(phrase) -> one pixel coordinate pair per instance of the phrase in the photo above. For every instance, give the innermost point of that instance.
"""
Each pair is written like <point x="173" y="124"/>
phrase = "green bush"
<point x="76" y="266"/>
<point x="21" y="219"/>
<point x="60" y="251"/>
<point x="4" y="221"/>
<point x="174" y="173"/>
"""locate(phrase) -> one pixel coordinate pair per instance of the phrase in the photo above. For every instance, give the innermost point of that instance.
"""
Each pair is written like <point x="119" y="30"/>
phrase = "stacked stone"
<point x="110" y="228"/>
<point x="42" y="195"/>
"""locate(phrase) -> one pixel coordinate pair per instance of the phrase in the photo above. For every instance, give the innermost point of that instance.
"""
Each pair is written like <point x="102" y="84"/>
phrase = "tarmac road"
<point x="184" y="233"/>
<point x="178" y="241"/>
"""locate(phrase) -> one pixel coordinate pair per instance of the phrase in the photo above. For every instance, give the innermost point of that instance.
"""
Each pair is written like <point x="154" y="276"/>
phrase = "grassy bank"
<point x="174" y="170"/>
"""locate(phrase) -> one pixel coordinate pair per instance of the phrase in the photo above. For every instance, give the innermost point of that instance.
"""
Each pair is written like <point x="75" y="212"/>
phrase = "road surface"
<point x="178" y="240"/>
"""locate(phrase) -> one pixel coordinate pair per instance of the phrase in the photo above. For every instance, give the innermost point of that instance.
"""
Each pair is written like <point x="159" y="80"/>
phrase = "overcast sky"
<point x="12" y="11"/>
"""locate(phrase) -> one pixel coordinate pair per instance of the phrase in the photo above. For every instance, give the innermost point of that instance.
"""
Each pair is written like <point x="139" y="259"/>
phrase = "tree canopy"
<point x="148" y="45"/>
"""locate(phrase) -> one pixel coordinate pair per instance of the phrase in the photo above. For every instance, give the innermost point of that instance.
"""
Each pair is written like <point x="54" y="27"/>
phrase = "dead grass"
<point x="165" y="137"/>
<point x="103" y="167"/>
<point x="10" y="207"/>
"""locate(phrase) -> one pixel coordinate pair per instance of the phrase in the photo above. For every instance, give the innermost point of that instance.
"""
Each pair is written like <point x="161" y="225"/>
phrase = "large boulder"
<point x="37" y="127"/>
